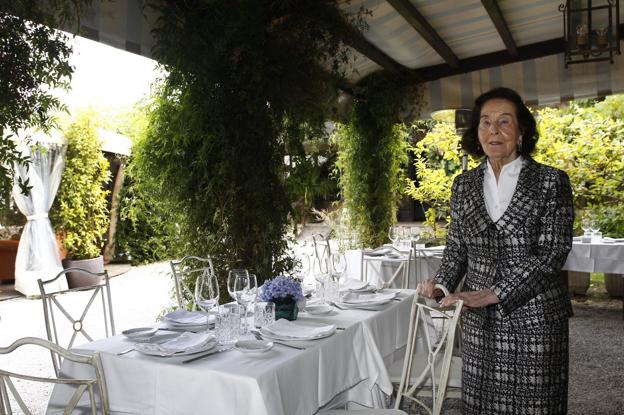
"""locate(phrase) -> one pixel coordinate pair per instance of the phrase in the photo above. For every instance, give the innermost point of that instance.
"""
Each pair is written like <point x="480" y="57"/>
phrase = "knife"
<point x="201" y="356"/>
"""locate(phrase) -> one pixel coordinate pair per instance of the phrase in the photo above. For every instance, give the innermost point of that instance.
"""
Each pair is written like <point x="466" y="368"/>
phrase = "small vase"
<point x="286" y="308"/>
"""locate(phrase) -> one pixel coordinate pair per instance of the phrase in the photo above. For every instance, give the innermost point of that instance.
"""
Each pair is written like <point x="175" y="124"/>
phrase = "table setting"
<point x="227" y="351"/>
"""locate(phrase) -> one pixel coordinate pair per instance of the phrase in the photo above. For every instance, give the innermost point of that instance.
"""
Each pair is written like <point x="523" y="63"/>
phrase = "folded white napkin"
<point x="367" y="298"/>
<point x="184" y="343"/>
<point x="185" y="317"/>
<point x="351" y="284"/>
<point x="612" y="240"/>
<point x="285" y="328"/>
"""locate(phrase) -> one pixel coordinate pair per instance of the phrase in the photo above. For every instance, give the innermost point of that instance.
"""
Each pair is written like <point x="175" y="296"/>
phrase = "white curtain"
<point x="38" y="254"/>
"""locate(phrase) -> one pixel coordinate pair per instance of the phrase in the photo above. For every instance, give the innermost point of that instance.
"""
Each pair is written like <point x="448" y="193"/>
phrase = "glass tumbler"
<point x="228" y="323"/>
<point x="264" y="314"/>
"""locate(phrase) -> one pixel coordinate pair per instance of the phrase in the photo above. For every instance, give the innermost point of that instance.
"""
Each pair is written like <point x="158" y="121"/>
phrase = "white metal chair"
<point x="322" y="252"/>
<point x="433" y="371"/>
<point x="67" y="305"/>
<point x="87" y="385"/>
<point x="185" y="272"/>
<point x="387" y="254"/>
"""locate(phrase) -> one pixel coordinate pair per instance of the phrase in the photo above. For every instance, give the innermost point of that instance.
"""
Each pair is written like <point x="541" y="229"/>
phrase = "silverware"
<point x="339" y="307"/>
<point x="258" y="336"/>
<point x="126" y="351"/>
<point x="213" y="352"/>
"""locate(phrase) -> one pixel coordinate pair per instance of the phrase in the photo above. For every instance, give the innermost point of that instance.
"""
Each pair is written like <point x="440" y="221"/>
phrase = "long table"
<point x="596" y="257"/>
<point x="349" y="366"/>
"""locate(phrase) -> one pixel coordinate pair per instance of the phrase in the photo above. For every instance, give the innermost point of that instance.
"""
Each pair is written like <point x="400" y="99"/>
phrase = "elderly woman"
<point x="509" y="236"/>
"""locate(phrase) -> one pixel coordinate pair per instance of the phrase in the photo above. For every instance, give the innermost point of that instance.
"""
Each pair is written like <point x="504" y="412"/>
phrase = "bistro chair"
<point x="388" y="254"/>
<point x="90" y="385"/>
<point x="187" y="271"/>
<point x="430" y="367"/>
<point x="322" y="252"/>
<point x="64" y="305"/>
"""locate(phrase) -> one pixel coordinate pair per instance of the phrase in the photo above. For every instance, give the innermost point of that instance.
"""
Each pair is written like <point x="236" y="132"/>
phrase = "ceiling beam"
<point x="406" y="9"/>
<point x="489" y="60"/>
<point x="358" y="42"/>
<point x="491" y="6"/>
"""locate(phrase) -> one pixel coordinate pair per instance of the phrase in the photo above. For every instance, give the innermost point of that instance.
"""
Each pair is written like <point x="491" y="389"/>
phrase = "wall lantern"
<point x="591" y="30"/>
<point x="461" y="119"/>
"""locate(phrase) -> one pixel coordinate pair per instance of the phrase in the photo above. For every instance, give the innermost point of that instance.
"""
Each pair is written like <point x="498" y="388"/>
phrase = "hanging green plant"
<point x="372" y="157"/>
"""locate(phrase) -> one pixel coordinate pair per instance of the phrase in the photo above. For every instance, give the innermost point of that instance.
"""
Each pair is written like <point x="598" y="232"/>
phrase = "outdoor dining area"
<point x="375" y="207"/>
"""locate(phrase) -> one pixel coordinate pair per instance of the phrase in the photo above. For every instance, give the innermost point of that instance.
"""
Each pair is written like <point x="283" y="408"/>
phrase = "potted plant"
<point x="80" y="213"/>
<point x="284" y="292"/>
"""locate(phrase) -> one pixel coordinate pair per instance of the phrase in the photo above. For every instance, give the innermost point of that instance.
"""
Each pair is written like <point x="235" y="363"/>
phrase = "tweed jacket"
<point x="520" y="255"/>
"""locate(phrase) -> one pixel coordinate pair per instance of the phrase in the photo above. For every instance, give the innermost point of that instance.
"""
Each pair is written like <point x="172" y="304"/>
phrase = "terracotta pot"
<point x="75" y="280"/>
<point x="614" y="283"/>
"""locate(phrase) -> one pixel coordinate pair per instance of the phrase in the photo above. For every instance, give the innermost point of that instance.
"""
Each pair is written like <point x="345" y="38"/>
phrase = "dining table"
<point x="596" y="255"/>
<point x="425" y="262"/>
<point x="347" y="368"/>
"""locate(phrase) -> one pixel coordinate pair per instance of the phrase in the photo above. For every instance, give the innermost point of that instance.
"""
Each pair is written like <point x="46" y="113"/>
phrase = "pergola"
<point x="458" y="48"/>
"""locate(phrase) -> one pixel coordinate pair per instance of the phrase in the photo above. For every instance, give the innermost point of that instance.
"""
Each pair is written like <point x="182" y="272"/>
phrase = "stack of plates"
<point x="187" y="321"/>
<point x="297" y="330"/>
<point x="367" y="301"/>
<point x="177" y="344"/>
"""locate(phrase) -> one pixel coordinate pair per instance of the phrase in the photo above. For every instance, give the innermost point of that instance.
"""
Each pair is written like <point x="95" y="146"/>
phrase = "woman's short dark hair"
<point x="528" y="129"/>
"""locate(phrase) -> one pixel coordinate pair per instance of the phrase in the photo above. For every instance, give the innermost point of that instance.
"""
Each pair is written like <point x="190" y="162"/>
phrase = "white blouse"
<point x="498" y="195"/>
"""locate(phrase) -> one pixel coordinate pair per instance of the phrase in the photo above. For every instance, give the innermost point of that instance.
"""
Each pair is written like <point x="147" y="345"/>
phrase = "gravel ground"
<point x="596" y="341"/>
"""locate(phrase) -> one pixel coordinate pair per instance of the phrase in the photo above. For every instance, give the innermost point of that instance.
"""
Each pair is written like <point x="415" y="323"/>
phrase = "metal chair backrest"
<point x="426" y="373"/>
<point x="322" y="252"/>
<point x="402" y="271"/>
<point x="89" y="385"/>
<point x="67" y="303"/>
<point x="185" y="273"/>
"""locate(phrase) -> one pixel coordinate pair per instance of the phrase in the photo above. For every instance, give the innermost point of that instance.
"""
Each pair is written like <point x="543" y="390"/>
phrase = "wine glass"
<point x="320" y="276"/>
<point x="338" y="265"/>
<point x="393" y="234"/>
<point x="243" y="287"/>
<point x="207" y="291"/>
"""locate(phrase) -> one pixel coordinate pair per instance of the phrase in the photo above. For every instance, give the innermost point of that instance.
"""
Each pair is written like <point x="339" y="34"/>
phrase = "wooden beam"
<point x="372" y="52"/>
<point x="406" y="9"/>
<point x="491" y="6"/>
<point x="489" y="60"/>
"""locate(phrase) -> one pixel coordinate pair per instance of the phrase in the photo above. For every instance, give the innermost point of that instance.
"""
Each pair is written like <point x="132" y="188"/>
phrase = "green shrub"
<point x="80" y="213"/>
<point x="371" y="159"/>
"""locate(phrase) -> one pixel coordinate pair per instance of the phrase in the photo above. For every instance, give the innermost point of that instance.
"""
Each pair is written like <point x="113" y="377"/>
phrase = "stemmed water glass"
<point x="338" y="265"/>
<point x="393" y="234"/>
<point x="243" y="287"/>
<point x="321" y="277"/>
<point x="207" y="291"/>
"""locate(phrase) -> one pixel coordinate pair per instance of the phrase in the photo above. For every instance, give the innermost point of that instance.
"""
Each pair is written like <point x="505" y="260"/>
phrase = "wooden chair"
<point x="87" y="385"/>
<point x="59" y="302"/>
<point x="433" y="371"/>
<point x="185" y="272"/>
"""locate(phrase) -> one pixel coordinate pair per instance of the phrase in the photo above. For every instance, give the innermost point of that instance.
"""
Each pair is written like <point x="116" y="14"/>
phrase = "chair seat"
<point x="420" y="362"/>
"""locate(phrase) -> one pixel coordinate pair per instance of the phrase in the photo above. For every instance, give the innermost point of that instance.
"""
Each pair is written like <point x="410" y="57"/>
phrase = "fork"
<point x="131" y="349"/>
<point x="258" y="336"/>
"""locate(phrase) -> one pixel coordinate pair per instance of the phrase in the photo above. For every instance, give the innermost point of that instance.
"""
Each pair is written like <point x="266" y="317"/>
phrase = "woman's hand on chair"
<point x="427" y="289"/>
<point x="472" y="299"/>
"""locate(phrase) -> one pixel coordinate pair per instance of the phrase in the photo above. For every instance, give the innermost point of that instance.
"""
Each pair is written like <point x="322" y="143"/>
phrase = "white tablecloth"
<point x="348" y="366"/>
<point x="425" y="264"/>
<point x="596" y="257"/>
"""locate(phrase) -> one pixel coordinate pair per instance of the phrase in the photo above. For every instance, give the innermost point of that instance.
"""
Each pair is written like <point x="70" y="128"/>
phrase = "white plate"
<point x="271" y="335"/>
<point x="318" y="309"/>
<point x="159" y="339"/>
<point x="140" y="333"/>
<point x="253" y="346"/>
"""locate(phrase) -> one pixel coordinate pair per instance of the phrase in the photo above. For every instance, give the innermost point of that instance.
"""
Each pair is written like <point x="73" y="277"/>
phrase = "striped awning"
<point x="463" y="24"/>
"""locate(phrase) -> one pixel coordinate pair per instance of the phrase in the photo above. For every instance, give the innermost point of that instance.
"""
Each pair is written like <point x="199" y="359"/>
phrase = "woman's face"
<point x="499" y="131"/>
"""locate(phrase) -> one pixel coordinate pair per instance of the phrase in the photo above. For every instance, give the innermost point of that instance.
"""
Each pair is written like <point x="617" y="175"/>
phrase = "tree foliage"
<point x="372" y="155"/>
<point x="79" y="212"/>
<point x="34" y="58"/>
<point x="238" y="92"/>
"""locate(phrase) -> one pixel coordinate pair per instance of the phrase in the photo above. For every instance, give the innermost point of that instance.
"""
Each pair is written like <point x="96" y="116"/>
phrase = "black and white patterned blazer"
<point x="520" y="255"/>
